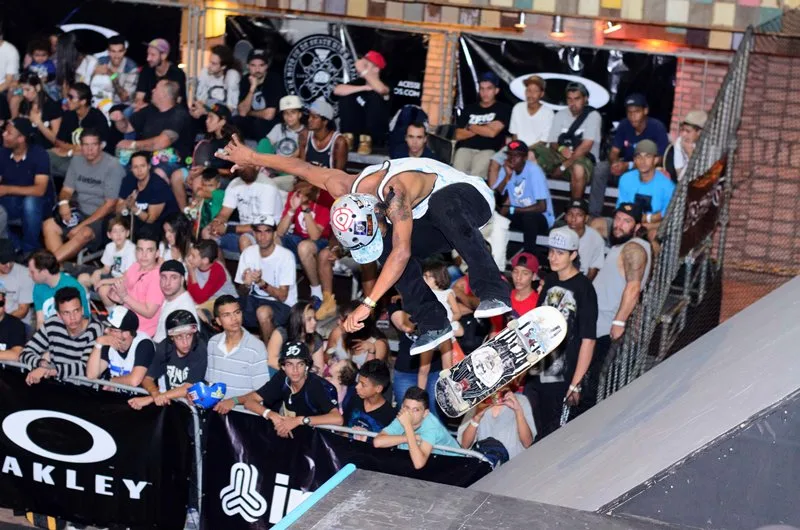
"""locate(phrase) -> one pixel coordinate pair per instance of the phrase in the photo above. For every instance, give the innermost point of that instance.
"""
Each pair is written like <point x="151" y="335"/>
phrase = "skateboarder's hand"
<point x="354" y="319"/>
<point x="237" y="152"/>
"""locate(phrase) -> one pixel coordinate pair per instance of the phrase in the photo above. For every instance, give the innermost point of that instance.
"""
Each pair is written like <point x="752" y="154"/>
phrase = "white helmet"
<point x="355" y="225"/>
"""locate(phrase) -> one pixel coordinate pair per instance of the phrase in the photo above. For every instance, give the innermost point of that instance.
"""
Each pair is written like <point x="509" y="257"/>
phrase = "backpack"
<point x="493" y="449"/>
<point x="568" y="138"/>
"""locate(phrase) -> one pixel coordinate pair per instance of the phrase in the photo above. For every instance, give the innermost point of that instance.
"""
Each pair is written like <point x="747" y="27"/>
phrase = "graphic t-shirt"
<point x="315" y="397"/>
<point x="140" y="353"/>
<point x="72" y="126"/>
<point x="43" y="295"/>
<point x="285" y="141"/>
<point x="12" y="332"/>
<point x="374" y="421"/>
<point x="652" y="196"/>
<point x="120" y="260"/>
<point x="155" y="192"/>
<point x="257" y="199"/>
<point x="176" y="370"/>
<point x="94" y="183"/>
<point x="577" y="301"/>
<point x="266" y="95"/>
<point x="527" y="188"/>
<point x="319" y="212"/>
<point x="476" y="115"/>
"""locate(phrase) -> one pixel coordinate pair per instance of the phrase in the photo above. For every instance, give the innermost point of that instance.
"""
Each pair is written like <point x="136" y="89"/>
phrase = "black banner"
<point x="704" y="198"/>
<point x="252" y="477"/>
<point x="86" y="456"/>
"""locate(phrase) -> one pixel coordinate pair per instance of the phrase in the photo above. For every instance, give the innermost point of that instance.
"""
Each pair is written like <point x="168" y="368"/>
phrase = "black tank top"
<point x="321" y="158"/>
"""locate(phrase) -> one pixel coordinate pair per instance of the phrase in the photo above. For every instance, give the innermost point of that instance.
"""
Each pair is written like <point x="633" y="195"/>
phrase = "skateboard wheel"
<point x="444" y="374"/>
<point x="513" y="324"/>
<point x="533" y="358"/>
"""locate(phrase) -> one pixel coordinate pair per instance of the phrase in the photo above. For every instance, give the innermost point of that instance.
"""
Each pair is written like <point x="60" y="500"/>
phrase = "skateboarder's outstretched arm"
<point x="335" y="181"/>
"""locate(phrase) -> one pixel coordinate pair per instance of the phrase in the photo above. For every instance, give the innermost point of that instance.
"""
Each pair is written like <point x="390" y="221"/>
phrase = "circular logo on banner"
<point x="315" y="66"/>
<point x="341" y="219"/>
<point x="15" y="427"/>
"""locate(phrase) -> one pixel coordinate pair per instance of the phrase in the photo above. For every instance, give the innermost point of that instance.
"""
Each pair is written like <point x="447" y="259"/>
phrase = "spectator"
<point x="9" y="62"/>
<point x="253" y="196"/>
<point x="61" y="346"/>
<point x="12" y="332"/>
<point x="207" y="201"/>
<point x="123" y="354"/>
<point x="37" y="106"/>
<point x="361" y="346"/>
<point x="269" y="274"/>
<point x="25" y="192"/>
<point x="301" y="327"/>
<point x="207" y="278"/>
<point x="524" y="272"/>
<point x="175" y="296"/>
<point x="618" y="284"/>
<point x="507" y="417"/>
<point x="144" y="195"/>
<point x="306" y="397"/>
<point x="179" y="362"/>
<point x="530" y="119"/>
<point x="218" y="82"/>
<point x="118" y="256"/>
<point x="574" y="142"/>
<point x="42" y="66"/>
<point x="527" y="203"/>
<point x="364" y="104"/>
<point x="177" y="238"/>
<point x="435" y="274"/>
<point x="15" y="283"/>
<point x="416" y="430"/>
<point x="93" y="182"/>
<point x="591" y="250"/>
<point x="342" y="375"/>
<point x="304" y="229"/>
<point x="259" y="94"/>
<point x="235" y="357"/>
<point x="47" y="281"/>
<point x="163" y="127"/>
<point x="637" y="126"/>
<point x="368" y="410"/>
<point x="72" y="65"/>
<point x="325" y="146"/>
<point x="80" y="116"/>
<point x="159" y="68"/>
<point x="481" y="128"/>
<point x="416" y="143"/>
<point x="676" y="158"/>
<point x="138" y="289"/>
<point x="115" y="77"/>
<point x="286" y="137"/>
<point x="569" y="291"/>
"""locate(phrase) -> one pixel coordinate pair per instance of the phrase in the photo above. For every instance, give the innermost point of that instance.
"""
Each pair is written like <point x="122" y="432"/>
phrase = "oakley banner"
<point x="87" y="457"/>
<point x="252" y="477"/>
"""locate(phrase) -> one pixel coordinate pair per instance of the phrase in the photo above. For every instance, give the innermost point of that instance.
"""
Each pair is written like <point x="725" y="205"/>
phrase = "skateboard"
<point x="523" y="343"/>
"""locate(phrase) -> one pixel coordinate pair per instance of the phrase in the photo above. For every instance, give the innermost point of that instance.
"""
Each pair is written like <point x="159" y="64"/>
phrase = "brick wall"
<point x="438" y="87"/>
<point x="696" y="85"/>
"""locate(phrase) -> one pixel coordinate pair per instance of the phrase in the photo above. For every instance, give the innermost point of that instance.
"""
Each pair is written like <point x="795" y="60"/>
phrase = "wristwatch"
<point x="306" y="210"/>
<point x="306" y="420"/>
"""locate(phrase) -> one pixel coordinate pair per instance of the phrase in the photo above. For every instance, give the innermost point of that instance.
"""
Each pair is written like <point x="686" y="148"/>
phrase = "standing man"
<point x="115" y="76"/>
<point x="259" y="94"/>
<point x="481" y="129"/>
<point x="172" y="276"/>
<point x="592" y="247"/>
<point x="124" y="353"/>
<point x="158" y="67"/>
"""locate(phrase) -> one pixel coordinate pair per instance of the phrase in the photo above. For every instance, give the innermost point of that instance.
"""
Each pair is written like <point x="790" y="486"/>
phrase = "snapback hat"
<point x="123" y="319"/>
<point x="580" y="204"/>
<point x="696" y="118"/>
<point x="159" y="44"/>
<point x="563" y="238"/>
<point x="173" y="265"/>
<point x="24" y="126"/>
<point x="376" y="59"/>
<point x="220" y="110"/>
<point x="646" y="147"/>
<point x="529" y="261"/>
<point x="517" y="146"/>
<point x="322" y="108"/>
<point x="636" y="100"/>
<point x="266" y="220"/>
<point x="632" y="209"/>
<point x="257" y="54"/>
<point x="490" y="77"/>
<point x="290" y="102"/>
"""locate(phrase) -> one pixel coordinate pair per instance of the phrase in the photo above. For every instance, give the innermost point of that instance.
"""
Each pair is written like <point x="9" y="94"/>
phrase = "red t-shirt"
<point x="320" y="211"/>
<point x="523" y="306"/>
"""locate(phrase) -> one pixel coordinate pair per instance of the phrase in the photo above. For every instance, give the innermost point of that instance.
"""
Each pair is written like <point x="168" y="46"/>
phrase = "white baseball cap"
<point x="290" y="102"/>
<point x="563" y="238"/>
<point x="322" y="108"/>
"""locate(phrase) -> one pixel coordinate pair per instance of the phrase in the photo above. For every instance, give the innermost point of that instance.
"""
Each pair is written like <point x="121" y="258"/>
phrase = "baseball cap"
<point x="563" y="238"/>
<point x="535" y="80"/>
<point x="24" y="126"/>
<point x="696" y="118"/>
<point x="257" y="54"/>
<point x="529" y="261"/>
<point x="173" y="265"/>
<point x="123" y="319"/>
<point x="647" y="147"/>
<point x="376" y="59"/>
<point x="632" y="209"/>
<point x="575" y="86"/>
<point x="290" y="102"/>
<point x="7" y="253"/>
<point x="517" y="146"/>
<point x="159" y="44"/>
<point x="220" y="110"/>
<point x="579" y="203"/>
<point x="266" y="220"/>
<point x="490" y="77"/>
<point x="322" y="108"/>
<point x="636" y="100"/>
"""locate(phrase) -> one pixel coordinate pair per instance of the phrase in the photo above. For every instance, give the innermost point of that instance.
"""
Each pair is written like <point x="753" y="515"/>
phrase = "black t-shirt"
<point x="266" y="95"/>
<point x="143" y="355"/>
<point x="50" y="111"/>
<point x="72" y="126"/>
<point x="316" y="397"/>
<point x="476" y="115"/>
<point x="156" y="192"/>
<point x="12" y="332"/>
<point x="148" y="79"/>
<point x="405" y="362"/>
<point x="375" y="421"/>
<point x="178" y="370"/>
<point x="150" y="122"/>
<point x="577" y="301"/>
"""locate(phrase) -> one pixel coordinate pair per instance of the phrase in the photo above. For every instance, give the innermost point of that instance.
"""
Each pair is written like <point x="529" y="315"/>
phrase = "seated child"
<point x="438" y="279"/>
<point x="206" y="200"/>
<point x="207" y="278"/>
<point x="368" y="410"/>
<point x="119" y="254"/>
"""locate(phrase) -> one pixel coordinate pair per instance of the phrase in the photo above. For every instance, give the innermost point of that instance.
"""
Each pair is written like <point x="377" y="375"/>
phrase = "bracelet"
<point x="575" y="388"/>
<point x="236" y="401"/>
<point x="369" y="302"/>
<point x="649" y="218"/>
<point x="474" y="423"/>
<point x="619" y="323"/>
<point x="133" y="145"/>
<point x="265" y="414"/>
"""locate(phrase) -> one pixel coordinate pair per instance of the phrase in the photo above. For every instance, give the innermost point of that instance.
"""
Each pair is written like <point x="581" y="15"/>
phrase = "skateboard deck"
<point x="523" y="343"/>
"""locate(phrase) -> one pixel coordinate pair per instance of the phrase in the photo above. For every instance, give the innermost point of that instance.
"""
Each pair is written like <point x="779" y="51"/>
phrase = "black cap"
<point x="173" y="265"/>
<point x="490" y="77"/>
<point x="220" y="110"/>
<point x="631" y="208"/>
<point x="257" y="54"/>
<point x="24" y="126"/>
<point x="579" y="203"/>
<point x="123" y="319"/>
<point x="518" y="146"/>
<point x="7" y="253"/>
<point x="636" y="100"/>
<point x="295" y="350"/>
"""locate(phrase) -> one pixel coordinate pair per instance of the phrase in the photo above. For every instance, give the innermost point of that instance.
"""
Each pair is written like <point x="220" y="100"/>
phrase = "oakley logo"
<point x="15" y="427"/>
<point x="240" y="497"/>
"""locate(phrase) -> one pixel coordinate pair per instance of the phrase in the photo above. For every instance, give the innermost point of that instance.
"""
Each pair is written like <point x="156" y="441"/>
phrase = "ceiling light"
<point x="558" y="27"/>
<point x="611" y="27"/>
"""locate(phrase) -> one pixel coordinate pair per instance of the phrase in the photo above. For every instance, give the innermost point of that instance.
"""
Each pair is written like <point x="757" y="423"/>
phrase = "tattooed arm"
<point x="634" y="261"/>
<point x="398" y="211"/>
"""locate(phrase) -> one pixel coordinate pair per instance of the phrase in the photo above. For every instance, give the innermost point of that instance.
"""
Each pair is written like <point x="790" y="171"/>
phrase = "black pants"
<point x="455" y="215"/>
<point x="547" y="402"/>
<point x="365" y="113"/>
<point x="531" y="224"/>
<point x="591" y="381"/>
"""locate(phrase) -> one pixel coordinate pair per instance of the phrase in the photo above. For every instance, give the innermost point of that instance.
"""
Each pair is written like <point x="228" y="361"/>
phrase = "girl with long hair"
<point x="302" y="327"/>
<point x="37" y="106"/>
<point x="177" y="238"/>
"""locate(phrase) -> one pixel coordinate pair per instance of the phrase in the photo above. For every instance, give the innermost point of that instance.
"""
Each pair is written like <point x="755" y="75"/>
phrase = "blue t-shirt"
<point x="625" y="139"/>
<point x="431" y="430"/>
<point x="526" y="188"/>
<point x="43" y="295"/>
<point x="23" y="173"/>
<point x="654" y="196"/>
<point x="156" y="192"/>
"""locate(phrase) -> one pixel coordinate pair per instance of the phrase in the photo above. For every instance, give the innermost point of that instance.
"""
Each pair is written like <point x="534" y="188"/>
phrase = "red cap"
<point x="376" y="59"/>
<point x="531" y="263"/>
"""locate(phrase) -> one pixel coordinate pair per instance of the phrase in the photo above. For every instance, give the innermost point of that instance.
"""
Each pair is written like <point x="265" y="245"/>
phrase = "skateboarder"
<point x="431" y="208"/>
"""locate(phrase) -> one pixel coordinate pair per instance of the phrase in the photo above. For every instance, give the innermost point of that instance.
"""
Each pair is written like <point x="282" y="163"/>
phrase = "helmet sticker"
<point x="342" y="219"/>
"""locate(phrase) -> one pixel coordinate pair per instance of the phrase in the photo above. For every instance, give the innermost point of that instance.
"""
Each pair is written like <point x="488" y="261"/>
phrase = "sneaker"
<point x="364" y="144"/>
<point x="327" y="309"/>
<point x="491" y="308"/>
<point x="350" y="140"/>
<point x="430" y="339"/>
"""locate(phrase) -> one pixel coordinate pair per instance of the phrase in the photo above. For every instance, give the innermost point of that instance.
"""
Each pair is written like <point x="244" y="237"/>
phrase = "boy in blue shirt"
<point x="416" y="430"/>
<point x="528" y="203"/>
